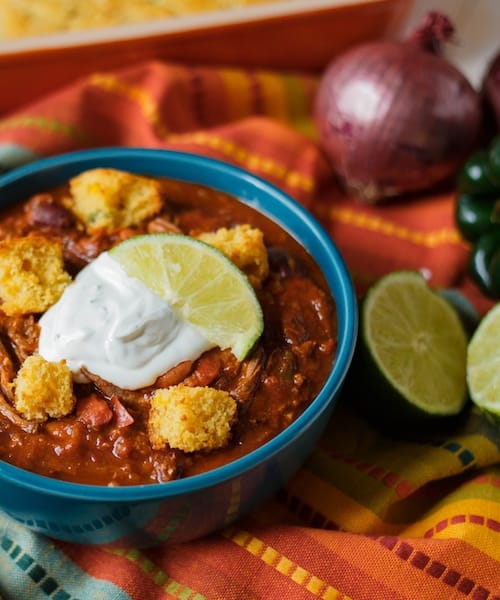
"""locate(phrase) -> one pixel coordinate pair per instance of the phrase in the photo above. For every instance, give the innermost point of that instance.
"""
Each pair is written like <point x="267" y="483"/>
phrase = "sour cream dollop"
<point x="117" y="328"/>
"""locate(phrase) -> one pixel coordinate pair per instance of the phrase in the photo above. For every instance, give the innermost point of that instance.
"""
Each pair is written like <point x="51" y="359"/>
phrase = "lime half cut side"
<point x="199" y="283"/>
<point x="483" y="364"/>
<point x="416" y="344"/>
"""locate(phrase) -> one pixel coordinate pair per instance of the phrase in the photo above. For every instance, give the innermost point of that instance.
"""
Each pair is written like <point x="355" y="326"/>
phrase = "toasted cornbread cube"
<point x="32" y="275"/>
<point x="43" y="389"/>
<point x="243" y="245"/>
<point x="108" y="199"/>
<point x="191" y="418"/>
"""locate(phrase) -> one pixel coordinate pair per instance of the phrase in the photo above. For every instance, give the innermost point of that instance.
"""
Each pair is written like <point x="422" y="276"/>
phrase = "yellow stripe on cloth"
<point x="237" y="89"/>
<point x="274" y="102"/>
<point x="400" y="470"/>
<point x="238" y="85"/>
<point x="134" y="93"/>
<point x="284" y="565"/>
<point x="466" y="520"/>
<point x="281" y="97"/>
<point x="429" y="239"/>
<point x="250" y="160"/>
<point x="335" y="506"/>
<point x="379" y="473"/>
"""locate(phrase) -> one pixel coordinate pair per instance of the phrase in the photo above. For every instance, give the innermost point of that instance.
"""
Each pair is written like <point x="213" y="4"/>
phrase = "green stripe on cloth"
<point x="31" y="567"/>
<point x="299" y="109"/>
<point x="47" y="125"/>
<point x="159" y="577"/>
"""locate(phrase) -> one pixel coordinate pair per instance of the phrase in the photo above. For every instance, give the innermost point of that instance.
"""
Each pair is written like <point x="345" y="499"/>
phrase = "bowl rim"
<point x="345" y="300"/>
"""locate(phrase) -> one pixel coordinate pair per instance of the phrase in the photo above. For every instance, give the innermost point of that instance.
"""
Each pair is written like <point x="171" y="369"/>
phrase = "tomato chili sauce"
<point x="104" y="441"/>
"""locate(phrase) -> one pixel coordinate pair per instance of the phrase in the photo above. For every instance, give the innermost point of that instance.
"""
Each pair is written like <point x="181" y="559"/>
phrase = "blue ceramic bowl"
<point x="188" y="508"/>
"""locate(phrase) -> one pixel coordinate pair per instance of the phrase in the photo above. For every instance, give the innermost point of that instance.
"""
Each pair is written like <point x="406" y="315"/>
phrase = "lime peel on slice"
<point x="199" y="283"/>
<point x="483" y="364"/>
<point x="415" y="345"/>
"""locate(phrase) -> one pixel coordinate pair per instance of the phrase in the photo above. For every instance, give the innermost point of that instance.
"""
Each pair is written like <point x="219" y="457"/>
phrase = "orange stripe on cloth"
<point x="441" y="563"/>
<point x="413" y="568"/>
<point x="385" y="567"/>
<point x="439" y="569"/>
<point x="205" y="96"/>
<point x="284" y="565"/>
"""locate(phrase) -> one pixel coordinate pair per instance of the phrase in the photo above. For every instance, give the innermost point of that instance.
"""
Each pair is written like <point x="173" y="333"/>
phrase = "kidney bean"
<point x="43" y="210"/>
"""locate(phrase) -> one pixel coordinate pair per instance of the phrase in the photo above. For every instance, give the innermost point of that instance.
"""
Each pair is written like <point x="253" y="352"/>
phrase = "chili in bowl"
<point x="134" y="432"/>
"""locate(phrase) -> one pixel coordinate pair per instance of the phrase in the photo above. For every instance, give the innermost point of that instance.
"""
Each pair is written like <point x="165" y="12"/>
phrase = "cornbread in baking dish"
<point x="25" y="18"/>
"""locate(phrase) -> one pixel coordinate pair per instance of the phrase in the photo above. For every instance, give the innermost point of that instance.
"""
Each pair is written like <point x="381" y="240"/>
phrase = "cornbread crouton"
<point x="32" y="275"/>
<point x="108" y="199"/>
<point x="191" y="418"/>
<point x="244" y="246"/>
<point x="43" y="389"/>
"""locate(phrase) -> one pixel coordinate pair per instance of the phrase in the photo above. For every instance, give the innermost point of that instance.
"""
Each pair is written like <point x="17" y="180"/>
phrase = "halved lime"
<point x="413" y="348"/>
<point x="483" y="364"/>
<point x="200" y="284"/>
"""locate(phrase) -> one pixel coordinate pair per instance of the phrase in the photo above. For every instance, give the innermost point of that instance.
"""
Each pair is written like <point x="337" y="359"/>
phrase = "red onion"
<point x="491" y="90"/>
<point x="395" y="117"/>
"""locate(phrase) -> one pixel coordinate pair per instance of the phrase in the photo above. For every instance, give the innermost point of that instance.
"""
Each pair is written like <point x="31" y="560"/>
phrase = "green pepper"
<point x="477" y="215"/>
<point x="485" y="263"/>
<point x="494" y="160"/>
<point x="475" y="177"/>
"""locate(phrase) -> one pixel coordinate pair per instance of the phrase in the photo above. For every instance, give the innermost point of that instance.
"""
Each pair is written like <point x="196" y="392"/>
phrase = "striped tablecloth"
<point x="372" y="515"/>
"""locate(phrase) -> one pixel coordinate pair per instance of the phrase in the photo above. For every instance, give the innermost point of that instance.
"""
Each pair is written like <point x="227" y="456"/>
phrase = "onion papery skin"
<point x="394" y="119"/>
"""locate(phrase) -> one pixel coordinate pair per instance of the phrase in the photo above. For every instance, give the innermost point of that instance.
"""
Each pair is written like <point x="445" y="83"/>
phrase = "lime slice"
<point x="483" y="364"/>
<point x="414" y="347"/>
<point x="200" y="284"/>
